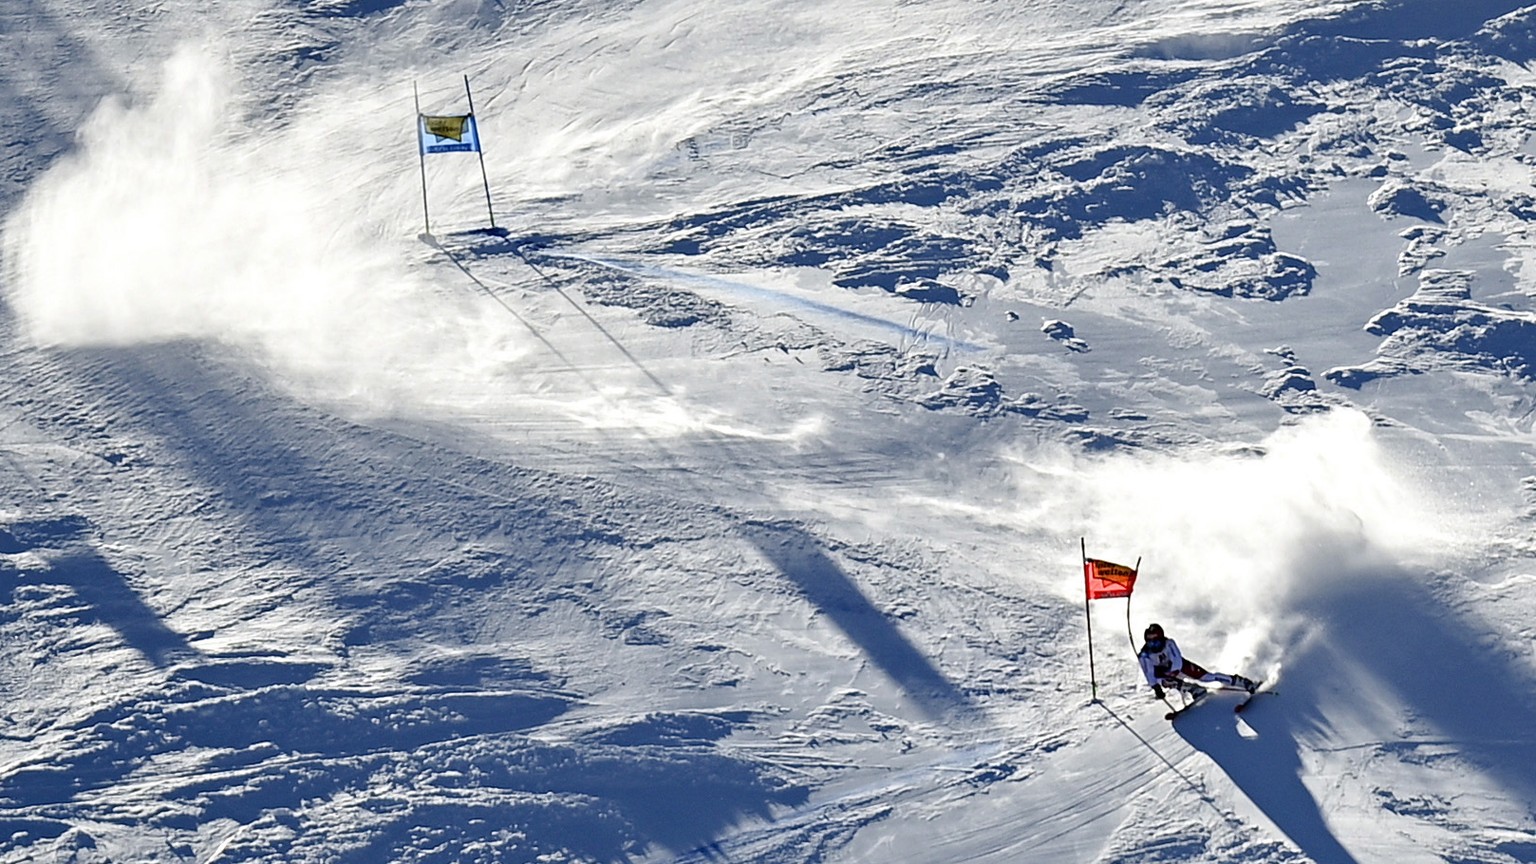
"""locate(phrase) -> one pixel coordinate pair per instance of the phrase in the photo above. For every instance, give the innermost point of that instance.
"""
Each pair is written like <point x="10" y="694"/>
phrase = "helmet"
<point x="1154" y="631"/>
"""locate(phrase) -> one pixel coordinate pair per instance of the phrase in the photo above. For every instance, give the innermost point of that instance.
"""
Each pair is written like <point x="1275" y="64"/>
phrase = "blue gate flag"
<point x="451" y="133"/>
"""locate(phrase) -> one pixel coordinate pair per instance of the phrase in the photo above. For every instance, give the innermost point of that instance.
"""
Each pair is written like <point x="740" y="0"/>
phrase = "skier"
<point x="1164" y="665"/>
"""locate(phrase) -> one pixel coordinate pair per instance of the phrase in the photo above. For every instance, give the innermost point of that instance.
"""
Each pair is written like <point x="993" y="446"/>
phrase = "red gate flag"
<point x="1106" y="580"/>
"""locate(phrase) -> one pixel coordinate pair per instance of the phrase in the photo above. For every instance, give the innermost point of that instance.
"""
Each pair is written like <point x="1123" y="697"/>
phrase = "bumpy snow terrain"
<point x="726" y="505"/>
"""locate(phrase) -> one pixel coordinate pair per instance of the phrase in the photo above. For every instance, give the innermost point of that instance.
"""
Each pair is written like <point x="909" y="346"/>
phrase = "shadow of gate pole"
<point x="800" y="558"/>
<point x="107" y="596"/>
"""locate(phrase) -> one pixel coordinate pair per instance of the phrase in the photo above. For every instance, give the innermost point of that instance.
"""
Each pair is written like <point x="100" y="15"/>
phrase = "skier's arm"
<point x="1177" y="656"/>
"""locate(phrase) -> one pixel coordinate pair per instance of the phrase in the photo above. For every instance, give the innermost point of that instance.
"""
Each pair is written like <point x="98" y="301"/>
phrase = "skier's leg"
<point x="1186" y="686"/>
<point x="1236" y="682"/>
<point x="1199" y="673"/>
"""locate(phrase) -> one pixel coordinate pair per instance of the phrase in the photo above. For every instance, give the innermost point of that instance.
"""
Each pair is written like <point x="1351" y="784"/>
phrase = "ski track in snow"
<point x="726" y="505"/>
<point x="903" y="331"/>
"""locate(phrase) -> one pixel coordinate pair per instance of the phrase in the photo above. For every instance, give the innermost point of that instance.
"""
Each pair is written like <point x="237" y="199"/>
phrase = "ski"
<point x="1238" y="708"/>
<point x="1192" y="703"/>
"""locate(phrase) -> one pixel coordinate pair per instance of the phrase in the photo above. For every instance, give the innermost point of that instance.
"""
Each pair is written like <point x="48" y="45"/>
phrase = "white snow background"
<point x="727" y="505"/>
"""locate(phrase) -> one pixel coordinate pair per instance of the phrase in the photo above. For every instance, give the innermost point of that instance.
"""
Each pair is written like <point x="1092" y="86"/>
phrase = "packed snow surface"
<point x="726" y="501"/>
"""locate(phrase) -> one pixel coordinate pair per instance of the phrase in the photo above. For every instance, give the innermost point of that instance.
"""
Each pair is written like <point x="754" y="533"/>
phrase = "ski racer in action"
<point x="1165" y="666"/>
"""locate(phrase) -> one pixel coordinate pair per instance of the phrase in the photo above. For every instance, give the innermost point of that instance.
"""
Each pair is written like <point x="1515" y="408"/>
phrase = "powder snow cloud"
<point x="174" y="219"/>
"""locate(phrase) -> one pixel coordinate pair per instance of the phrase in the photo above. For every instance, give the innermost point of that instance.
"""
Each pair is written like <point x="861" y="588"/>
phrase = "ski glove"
<point x="1157" y="691"/>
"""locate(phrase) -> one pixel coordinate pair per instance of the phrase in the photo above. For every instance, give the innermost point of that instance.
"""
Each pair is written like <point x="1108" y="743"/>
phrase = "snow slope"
<point x="727" y="505"/>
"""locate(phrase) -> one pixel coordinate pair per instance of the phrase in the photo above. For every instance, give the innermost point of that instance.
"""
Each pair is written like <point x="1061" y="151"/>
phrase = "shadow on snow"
<point x="388" y="766"/>
<point x="1384" y="630"/>
<point x="800" y="558"/>
<point x="106" y="594"/>
<point x="1267" y="769"/>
